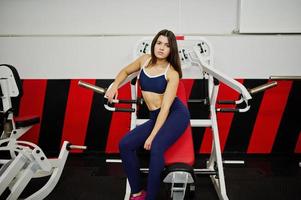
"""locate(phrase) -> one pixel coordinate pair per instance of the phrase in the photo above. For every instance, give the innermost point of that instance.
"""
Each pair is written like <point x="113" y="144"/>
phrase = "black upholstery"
<point x="176" y="167"/>
<point x="27" y="122"/>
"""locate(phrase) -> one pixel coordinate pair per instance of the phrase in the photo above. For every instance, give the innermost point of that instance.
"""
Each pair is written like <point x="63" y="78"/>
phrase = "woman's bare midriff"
<point x="152" y="100"/>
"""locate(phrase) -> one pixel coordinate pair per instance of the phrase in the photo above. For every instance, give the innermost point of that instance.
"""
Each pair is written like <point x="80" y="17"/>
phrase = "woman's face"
<point x="162" y="48"/>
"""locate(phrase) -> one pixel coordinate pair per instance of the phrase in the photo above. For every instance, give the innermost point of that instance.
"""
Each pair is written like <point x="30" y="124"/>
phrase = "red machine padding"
<point x="182" y="151"/>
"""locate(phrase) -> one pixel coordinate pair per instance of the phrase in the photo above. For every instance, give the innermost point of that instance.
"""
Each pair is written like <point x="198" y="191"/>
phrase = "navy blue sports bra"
<point x="156" y="84"/>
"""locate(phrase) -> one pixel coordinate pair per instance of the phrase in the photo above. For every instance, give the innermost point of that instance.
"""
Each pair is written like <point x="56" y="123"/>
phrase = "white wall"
<point x="270" y="16"/>
<point x="94" y="39"/>
<point x="116" y="17"/>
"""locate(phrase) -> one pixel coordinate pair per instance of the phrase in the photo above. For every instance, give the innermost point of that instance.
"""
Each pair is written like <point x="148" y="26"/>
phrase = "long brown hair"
<point x="173" y="57"/>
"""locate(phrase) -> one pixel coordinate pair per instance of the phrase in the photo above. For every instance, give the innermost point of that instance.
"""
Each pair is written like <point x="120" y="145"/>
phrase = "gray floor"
<point x="261" y="177"/>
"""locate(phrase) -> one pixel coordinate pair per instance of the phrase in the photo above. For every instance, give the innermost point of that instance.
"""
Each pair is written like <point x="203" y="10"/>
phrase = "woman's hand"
<point x="148" y="142"/>
<point x="112" y="93"/>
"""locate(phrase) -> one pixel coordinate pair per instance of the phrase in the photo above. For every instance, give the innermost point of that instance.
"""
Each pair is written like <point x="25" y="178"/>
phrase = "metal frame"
<point x="30" y="163"/>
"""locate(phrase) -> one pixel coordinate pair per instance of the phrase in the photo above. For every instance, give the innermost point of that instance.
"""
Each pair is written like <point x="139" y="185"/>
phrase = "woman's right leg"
<point x="127" y="147"/>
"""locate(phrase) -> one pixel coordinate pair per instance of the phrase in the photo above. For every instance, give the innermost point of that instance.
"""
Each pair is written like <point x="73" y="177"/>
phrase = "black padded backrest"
<point x="15" y="100"/>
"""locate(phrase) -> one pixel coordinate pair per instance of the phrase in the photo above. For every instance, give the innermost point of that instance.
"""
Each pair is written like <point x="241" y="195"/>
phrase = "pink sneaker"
<point x="140" y="197"/>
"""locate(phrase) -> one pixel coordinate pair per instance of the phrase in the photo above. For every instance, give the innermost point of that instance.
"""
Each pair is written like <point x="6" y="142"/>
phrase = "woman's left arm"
<point x="168" y="98"/>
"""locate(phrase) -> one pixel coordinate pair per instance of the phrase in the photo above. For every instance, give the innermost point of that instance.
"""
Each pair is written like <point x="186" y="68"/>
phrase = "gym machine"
<point x="27" y="160"/>
<point x="196" y="56"/>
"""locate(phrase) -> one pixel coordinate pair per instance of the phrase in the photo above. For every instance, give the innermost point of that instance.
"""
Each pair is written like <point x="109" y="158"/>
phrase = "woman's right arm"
<point x="122" y="75"/>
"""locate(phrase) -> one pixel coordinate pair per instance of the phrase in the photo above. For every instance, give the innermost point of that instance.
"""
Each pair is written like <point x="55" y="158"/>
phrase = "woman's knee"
<point x="124" y="145"/>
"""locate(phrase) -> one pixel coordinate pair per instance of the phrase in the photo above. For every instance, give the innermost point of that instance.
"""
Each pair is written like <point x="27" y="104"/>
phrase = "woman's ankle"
<point x="137" y="194"/>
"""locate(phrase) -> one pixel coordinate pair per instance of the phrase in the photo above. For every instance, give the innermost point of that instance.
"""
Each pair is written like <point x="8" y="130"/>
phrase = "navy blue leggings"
<point x="174" y="126"/>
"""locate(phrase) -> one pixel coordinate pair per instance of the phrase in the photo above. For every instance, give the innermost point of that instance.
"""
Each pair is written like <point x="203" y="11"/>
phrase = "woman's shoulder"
<point x="172" y="73"/>
<point x="143" y="58"/>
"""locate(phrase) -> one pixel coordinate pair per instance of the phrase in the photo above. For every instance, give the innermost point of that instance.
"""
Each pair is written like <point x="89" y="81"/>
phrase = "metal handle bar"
<point x="263" y="87"/>
<point x="107" y="105"/>
<point x="254" y="90"/>
<point x="230" y="102"/>
<point x="96" y="89"/>
<point x="71" y="146"/>
<point x="228" y="110"/>
<point x="285" y="77"/>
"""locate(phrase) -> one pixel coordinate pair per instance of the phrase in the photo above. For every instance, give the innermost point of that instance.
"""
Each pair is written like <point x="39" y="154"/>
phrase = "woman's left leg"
<point x="173" y="128"/>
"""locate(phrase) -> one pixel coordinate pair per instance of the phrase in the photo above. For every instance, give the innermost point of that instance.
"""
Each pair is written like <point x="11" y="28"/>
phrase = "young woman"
<point x="159" y="77"/>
